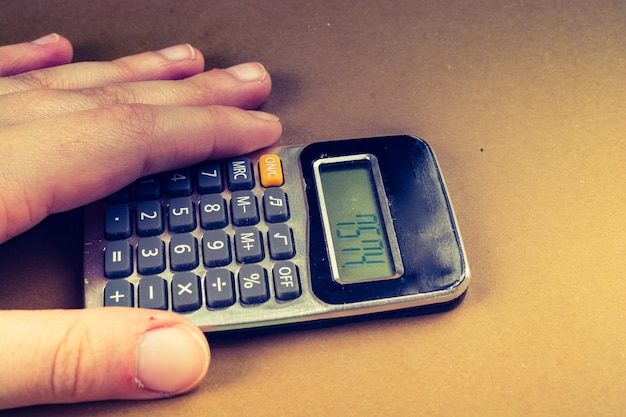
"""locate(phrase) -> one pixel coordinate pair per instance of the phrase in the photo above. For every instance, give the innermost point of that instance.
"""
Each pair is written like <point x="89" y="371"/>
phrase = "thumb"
<point x="63" y="356"/>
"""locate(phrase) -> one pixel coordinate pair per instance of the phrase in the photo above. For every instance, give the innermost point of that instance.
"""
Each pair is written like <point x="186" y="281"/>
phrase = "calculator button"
<point x="183" y="252"/>
<point x="240" y="174"/>
<point x="148" y="188"/>
<point x="150" y="256"/>
<point x="120" y="196"/>
<point x="244" y="208"/>
<point x="210" y="178"/>
<point x="216" y="248"/>
<point x="182" y="215"/>
<point x="213" y="212"/>
<point x="117" y="223"/>
<point x="119" y="293"/>
<point x="248" y="245"/>
<point x="149" y="218"/>
<point x="118" y="259"/>
<point x="286" y="281"/>
<point x="152" y="293"/>
<point x="280" y="241"/>
<point x="220" y="290"/>
<point x="275" y="205"/>
<point x="270" y="171"/>
<point x="179" y="183"/>
<point x="253" y="287"/>
<point x="186" y="295"/>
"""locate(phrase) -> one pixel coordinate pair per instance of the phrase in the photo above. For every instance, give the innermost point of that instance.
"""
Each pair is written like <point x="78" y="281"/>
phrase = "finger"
<point x="245" y="85"/>
<point x="80" y="157"/>
<point x="175" y="62"/>
<point x="70" y="356"/>
<point x="46" y="51"/>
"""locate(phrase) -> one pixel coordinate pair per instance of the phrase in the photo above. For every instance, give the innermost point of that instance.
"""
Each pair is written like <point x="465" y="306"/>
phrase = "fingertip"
<point x="249" y="72"/>
<point x="59" y="48"/>
<point x="256" y="130"/>
<point x="264" y="116"/>
<point x="155" y="354"/>
<point x="265" y="129"/>
<point x="47" y="39"/>
<point x="182" y="52"/>
<point x="172" y="360"/>
<point x="169" y="63"/>
<point x="47" y="51"/>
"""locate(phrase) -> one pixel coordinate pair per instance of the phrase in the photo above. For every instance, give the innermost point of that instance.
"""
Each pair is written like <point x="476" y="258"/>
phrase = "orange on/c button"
<point x="270" y="170"/>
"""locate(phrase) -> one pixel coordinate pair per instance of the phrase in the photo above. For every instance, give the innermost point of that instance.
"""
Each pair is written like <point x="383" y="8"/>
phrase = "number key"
<point x="210" y="178"/>
<point x="183" y="252"/>
<point x="182" y="215"/>
<point x="216" y="248"/>
<point x="149" y="218"/>
<point x="150" y="256"/>
<point x="148" y="188"/>
<point x="179" y="183"/>
<point x="213" y="212"/>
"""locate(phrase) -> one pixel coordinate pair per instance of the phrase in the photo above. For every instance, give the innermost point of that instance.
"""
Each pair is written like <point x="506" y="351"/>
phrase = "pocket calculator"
<point x="285" y="235"/>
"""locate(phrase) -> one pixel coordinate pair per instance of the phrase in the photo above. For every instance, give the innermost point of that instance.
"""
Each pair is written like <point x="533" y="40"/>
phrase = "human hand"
<point x="74" y="133"/>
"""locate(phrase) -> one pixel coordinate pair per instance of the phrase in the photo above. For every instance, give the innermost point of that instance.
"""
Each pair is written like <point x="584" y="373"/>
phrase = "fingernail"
<point x="184" y="52"/>
<point x="48" y="39"/>
<point x="251" y="71"/>
<point x="263" y="115"/>
<point x="171" y="360"/>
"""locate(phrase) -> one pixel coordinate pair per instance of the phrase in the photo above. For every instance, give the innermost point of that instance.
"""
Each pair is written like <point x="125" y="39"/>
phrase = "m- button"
<point x="270" y="170"/>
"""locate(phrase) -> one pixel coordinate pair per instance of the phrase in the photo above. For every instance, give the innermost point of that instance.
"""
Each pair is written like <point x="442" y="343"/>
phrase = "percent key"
<point x="253" y="286"/>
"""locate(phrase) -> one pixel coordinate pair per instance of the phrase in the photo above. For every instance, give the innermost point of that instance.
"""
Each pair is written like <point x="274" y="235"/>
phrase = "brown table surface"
<point x="524" y="103"/>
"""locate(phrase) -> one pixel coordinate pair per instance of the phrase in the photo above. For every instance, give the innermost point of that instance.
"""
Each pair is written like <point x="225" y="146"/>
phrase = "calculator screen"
<point x="361" y="242"/>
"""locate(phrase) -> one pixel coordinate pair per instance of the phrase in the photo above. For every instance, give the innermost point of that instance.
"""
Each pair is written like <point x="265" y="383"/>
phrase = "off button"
<point x="286" y="281"/>
<point x="271" y="171"/>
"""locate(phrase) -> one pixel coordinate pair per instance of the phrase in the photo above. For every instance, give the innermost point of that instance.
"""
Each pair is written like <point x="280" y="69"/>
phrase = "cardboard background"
<point x="523" y="103"/>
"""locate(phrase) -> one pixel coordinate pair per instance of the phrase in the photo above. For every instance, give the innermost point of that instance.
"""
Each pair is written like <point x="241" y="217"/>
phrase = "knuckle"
<point x="110" y="95"/>
<point x="34" y="80"/>
<point x="125" y="70"/>
<point x="73" y="372"/>
<point x="28" y="105"/>
<point x="211" y="87"/>
<point x="201" y="90"/>
<point x="137" y="121"/>
<point x="18" y="209"/>
<point x="136" y="126"/>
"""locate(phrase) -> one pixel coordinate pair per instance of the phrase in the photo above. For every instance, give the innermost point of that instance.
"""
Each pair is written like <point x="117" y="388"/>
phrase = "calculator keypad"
<point x="206" y="236"/>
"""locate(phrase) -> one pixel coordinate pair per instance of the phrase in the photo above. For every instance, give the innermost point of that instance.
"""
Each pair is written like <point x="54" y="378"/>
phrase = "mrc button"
<point x="240" y="174"/>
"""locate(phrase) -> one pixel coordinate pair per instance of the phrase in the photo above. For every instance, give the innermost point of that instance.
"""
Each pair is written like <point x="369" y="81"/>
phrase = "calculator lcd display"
<point x="357" y="222"/>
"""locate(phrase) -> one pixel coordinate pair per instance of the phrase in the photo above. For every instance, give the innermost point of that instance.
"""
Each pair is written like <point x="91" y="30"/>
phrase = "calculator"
<point x="288" y="235"/>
